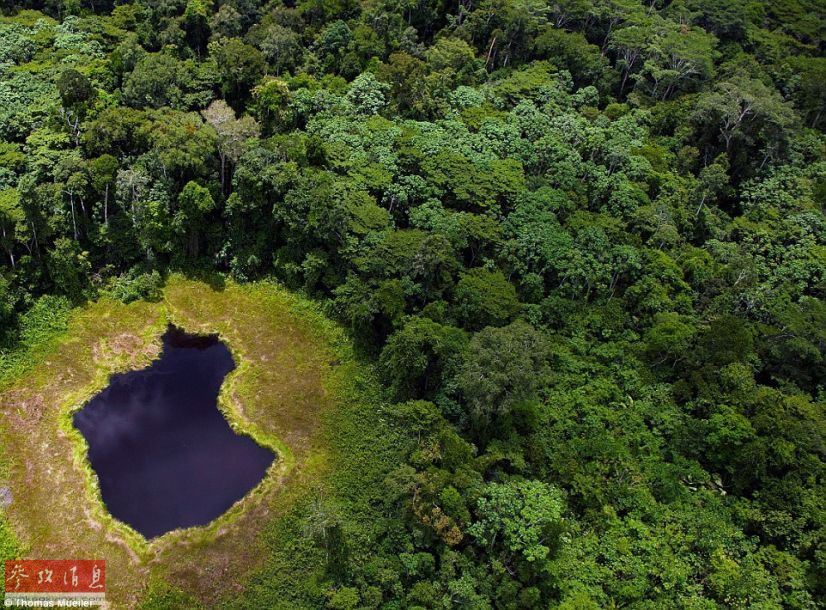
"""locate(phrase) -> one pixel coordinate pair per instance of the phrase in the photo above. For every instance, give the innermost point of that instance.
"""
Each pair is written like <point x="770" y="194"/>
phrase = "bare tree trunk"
<point x="11" y="254"/>
<point x="624" y="78"/>
<point x="74" y="223"/>
<point x="490" y="51"/>
<point x="630" y="60"/>
<point x="34" y="235"/>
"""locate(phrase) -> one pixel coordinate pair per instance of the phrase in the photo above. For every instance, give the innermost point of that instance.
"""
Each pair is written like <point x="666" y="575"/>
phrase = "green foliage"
<point x="134" y="285"/>
<point x="485" y="298"/>
<point x="190" y="220"/>
<point x="8" y="543"/>
<point x="582" y="241"/>
<point x="69" y="268"/>
<point x="157" y="80"/>
<point x="419" y="356"/>
<point x="502" y="368"/>
<point x="74" y="88"/>
<point x="240" y="66"/>
<point x="669" y="337"/>
<point x="520" y="516"/>
<point x="162" y="596"/>
<point x="36" y="330"/>
<point x="367" y="94"/>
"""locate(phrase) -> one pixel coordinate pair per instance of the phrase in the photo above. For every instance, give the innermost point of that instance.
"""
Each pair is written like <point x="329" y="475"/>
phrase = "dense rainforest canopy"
<point x="582" y="241"/>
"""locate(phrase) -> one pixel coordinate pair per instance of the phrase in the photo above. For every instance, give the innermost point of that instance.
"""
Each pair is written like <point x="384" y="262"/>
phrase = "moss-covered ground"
<point x="297" y="387"/>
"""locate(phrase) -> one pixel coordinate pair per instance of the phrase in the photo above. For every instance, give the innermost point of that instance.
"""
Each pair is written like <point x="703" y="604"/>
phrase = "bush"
<point x="134" y="286"/>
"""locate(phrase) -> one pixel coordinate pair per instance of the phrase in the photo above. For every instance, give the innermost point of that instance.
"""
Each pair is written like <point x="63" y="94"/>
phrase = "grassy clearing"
<point x="295" y="382"/>
<point x="56" y="511"/>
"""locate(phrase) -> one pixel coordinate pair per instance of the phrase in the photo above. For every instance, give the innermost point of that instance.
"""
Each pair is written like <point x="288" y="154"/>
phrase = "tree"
<point x="74" y="88"/>
<point x="712" y="180"/>
<point x="676" y="58"/>
<point x="114" y="131"/>
<point x="240" y="66"/>
<point x="226" y="22"/>
<point x="232" y="133"/>
<point x="7" y="315"/>
<point x="272" y="104"/>
<point x="629" y="43"/>
<point x="536" y="244"/>
<point x="282" y="48"/>
<point x="103" y="171"/>
<point x="572" y="51"/>
<point x="323" y="526"/>
<point x="509" y="30"/>
<point x="406" y="76"/>
<point x="194" y="205"/>
<point x="485" y="298"/>
<point x="332" y="45"/>
<point x="196" y="24"/>
<point x="181" y="142"/>
<point x="158" y="80"/>
<point x="502" y="368"/>
<point x="745" y="110"/>
<point x="69" y="268"/>
<point x="727" y="20"/>
<point x="419" y="356"/>
<point x="367" y="94"/>
<point x="76" y="93"/>
<point x="345" y="598"/>
<point x="12" y="222"/>
<point x="455" y="57"/>
<point x="523" y="518"/>
<point x="153" y="229"/>
<point x="669" y="338"/>
<point x="808" y="87"/>
<point x="74" y="178"/>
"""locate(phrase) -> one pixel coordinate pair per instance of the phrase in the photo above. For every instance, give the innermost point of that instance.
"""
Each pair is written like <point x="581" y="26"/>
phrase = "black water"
<point x="163" y="452"/>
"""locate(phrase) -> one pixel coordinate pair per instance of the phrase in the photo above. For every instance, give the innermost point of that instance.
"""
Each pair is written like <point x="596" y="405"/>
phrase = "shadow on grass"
<point x="212" y="278"/>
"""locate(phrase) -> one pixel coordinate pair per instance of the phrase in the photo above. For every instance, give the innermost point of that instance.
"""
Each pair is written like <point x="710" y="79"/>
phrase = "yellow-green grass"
<point x="27" y="17"/>
<point x="291" y="365"/>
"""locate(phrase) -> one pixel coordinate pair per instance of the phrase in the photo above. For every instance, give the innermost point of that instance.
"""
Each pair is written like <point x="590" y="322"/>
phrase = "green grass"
<point x="9" y="546"/>
<point x="40" y="329"/>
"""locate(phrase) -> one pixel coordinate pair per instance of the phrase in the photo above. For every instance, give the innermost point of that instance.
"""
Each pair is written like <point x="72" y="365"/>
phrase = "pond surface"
<point x="164" y="454"/>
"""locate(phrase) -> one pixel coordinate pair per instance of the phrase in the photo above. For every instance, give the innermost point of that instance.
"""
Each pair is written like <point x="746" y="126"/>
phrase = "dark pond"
<point x="165" y="455"/>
